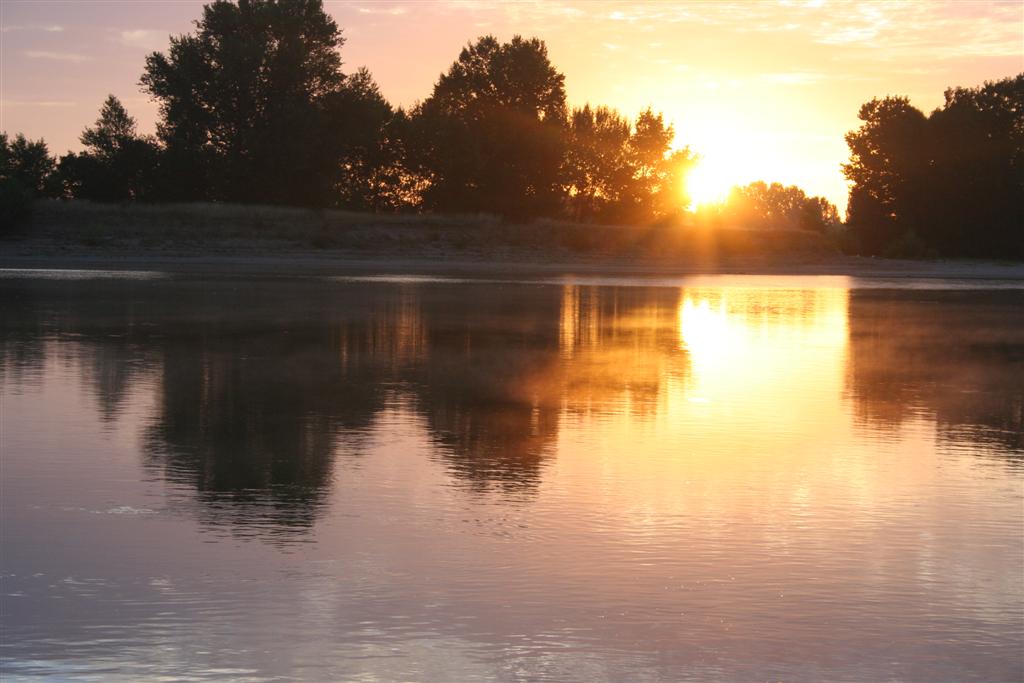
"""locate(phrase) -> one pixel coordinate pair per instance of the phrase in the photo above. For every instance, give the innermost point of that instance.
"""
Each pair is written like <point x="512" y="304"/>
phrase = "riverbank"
<point x="210" y="239"/>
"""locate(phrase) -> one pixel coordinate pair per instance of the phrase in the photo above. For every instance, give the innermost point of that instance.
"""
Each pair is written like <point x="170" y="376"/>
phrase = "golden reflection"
<point x="758" y="398"/>
<point x="749" y="343"/>
<point x="743" y="333"/>
<point x="617" y="348"/>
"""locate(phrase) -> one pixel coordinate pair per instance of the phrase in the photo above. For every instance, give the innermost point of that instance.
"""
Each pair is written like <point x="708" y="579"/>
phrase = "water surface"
<point x="403" y="478"/>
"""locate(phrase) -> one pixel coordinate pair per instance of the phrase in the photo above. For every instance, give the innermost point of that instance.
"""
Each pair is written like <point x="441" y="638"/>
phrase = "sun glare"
<point x="710" y="181"/>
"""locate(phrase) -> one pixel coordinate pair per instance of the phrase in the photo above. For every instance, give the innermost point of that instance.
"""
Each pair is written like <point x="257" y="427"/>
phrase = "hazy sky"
<point x="764" y="90"/>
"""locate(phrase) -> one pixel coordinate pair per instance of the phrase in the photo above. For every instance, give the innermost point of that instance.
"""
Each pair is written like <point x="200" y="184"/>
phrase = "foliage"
<point x="656" y="189"/>
<point x="255" y="109"/>
<point x="28" y="162"/>
<point x="777" y="206"/>
<point x="250" y="103"/>
<point x="26" y="168"/>
<point x="618" y="171"/>
<point x="597" y="168"/>
<point x="953" y="180"/>
<point x="886" y="167"/>
<point x="117" y="164"/>
<point x="491" y="135"/>
<point x="976" y="181"/>
<point x="374" y="174"/>
<point x="15" y="204"/>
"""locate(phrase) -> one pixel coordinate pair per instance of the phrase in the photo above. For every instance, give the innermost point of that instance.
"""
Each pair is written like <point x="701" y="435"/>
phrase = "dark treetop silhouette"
<point x="255" y="108"/>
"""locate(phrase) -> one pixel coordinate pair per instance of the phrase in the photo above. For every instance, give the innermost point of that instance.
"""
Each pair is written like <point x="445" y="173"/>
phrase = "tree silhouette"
<point x="27" y="161"/>
<point x="618" y="171"/>
<point x="597" y="165"/>
<point x="370" y="134"/>
<point x="490" y="136"/>
<point x="887" y="163"/>
<point x="116" y="165"/>
<point x="245" y="102"/>
<point x="977" y="171"/>
<point x="656" y="189"/>
<point x="777" y="206"/>
<point x="26" y="171"/>
<point x="954" y="180"/>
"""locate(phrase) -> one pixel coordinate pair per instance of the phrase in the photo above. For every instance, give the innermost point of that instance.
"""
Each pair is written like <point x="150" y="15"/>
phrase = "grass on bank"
<point x="250" y="229"/>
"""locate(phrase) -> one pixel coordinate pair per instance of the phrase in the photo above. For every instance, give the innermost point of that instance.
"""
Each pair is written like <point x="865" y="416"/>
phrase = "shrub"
<point x="15" y="205"/>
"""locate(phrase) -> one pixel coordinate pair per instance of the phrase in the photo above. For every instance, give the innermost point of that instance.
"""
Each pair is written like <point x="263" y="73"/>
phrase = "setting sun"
<point x="710" y="181"/>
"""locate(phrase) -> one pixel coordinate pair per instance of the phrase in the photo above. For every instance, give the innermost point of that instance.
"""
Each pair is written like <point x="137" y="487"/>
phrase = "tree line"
<point x="254" y="107"/>
<point x="951" y="182"/>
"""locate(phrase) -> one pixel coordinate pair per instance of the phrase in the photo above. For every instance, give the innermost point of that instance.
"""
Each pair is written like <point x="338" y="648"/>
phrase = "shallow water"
<point x="733" y="478"/>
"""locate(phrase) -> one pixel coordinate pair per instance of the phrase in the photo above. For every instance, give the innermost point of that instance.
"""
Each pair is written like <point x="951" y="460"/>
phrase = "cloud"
<point x="146" y="38"/>
<point x="38" y="103"/>
<point x="392" y="11"/>
<point x="57" y="56"/>
<point x="51" y="28"/>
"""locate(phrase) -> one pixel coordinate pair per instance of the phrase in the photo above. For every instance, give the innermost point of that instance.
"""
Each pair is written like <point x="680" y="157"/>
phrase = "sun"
<point x="710" y="181"/>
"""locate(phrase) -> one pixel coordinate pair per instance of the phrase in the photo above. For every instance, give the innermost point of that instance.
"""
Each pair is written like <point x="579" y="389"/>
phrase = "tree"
<point x="597" y="169"/>
<point x="25" y="169"/>
<point x="977" y="171"/>
<point x="491" y="133"/>
<point x="887" y="169"/>
<point x="247" y="102"/>
<point x="117" y="164"/>
<point x="618" y="171"/>
<point x="371" y="134"/>
<point x="27" y="161"/>
<point x="656" y="188"/>
<point x="953" y="181"/>
<point x="777" y="206"/>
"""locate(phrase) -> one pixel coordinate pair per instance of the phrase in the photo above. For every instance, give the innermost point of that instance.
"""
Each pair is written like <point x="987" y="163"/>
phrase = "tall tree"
<point x="977" y="171"/>
<point x="887" y="170"/>
<point x="117" y="163"/>
<point x="953" y="181"/>
<point x="657" y="188"/>
<point x="597" y="168"/>
<point x="491" y="132"/>
<point x="26" y="170"/>
<point x="28" y="162"/>
<point x="245" y="101"/>
<point x="371" y="138"/>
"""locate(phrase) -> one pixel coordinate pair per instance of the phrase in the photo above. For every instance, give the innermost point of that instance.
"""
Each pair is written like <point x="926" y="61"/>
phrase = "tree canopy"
<point x="491" y="135"/>
<point x="117" y="163"/>
<point x="778" y="206"/>
<point x="254" y="107"/>
<point x="246" y="101"/>
<point x="954" y="179"/>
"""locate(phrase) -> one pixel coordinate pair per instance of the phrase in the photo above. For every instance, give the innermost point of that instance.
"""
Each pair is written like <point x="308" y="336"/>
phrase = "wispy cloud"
<point x="57" y="56"/>
<point x="38" y="103"/>
<point x="392" y="11"/>
<point x="151" y="39"/>
<point x="50" y="28"/>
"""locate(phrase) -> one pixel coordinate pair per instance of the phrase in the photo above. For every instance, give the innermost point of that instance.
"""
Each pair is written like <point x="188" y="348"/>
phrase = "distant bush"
<point x="909" y="246"/>
<point x="15" y="205"/>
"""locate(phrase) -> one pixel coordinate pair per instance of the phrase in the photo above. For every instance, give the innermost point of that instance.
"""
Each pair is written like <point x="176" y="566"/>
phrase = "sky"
<point x="762" y="90"/>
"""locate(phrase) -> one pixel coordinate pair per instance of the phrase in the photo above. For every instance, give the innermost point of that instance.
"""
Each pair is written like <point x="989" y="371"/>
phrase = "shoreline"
<point x="476" y="266"/>
<point x="241" y="240"/>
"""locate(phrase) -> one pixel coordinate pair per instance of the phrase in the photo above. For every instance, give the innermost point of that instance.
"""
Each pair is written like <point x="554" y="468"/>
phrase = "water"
<point x="417" y="479"/>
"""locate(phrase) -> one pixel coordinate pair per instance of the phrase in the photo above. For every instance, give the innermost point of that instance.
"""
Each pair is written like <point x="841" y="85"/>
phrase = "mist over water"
<point x="421" y="479"/>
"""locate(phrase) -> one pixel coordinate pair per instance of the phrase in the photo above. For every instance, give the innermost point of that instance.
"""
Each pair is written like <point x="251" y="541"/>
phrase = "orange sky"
<point x="764" y="90"/>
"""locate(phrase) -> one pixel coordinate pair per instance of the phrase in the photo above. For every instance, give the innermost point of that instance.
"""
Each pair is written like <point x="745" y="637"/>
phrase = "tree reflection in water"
<point x="261" y="385"/>
<point x="951" y="357"/>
